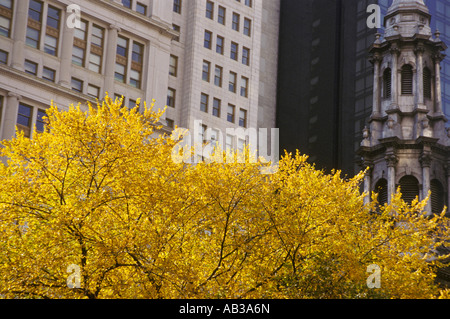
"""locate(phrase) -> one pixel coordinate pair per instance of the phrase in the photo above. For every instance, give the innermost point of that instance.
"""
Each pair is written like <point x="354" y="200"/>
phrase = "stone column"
<point x="157" y="69"/>
<point x="66" y="56"/>
<point x="438" y="87"/>
<point x="448" y="186"/>
<point x="392" y="161"/>
<point x="110" y="60"/>
<point x="10" y="120"/>
<point x="376" y="86"/>
<point x="394" y="99"/>
<point x="425" y="161"/>
<point x="368" y="183"/>
<point x="419" y="76"/>
<point x="20" y="32"/>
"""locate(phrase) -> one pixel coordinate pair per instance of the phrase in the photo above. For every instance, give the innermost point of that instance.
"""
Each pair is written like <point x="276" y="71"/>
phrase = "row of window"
<point x="216" y="107"/>
<point x="177" y="4"/>
<point x="212" y="135"/>
<point x="135" y="5"/>
<point x="410" y="189"/>
<point x="88" y="46"/>
<point x="235" y="18"/>
<point x="91" y="90"/>
<point x="220" y="47"/>
<point x="407" y="76"/>
<point x="88" y="52"/>
<point x="6" y="7"/>
<point x="217" y="110"/>
<point x="218" y="78"/>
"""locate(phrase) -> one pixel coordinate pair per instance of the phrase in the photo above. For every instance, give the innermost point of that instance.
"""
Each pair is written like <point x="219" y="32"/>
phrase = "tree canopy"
<point x="98" y="197"/>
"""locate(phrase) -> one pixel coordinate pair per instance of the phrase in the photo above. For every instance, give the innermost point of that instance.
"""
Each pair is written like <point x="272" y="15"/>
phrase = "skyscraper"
<point x="325" y="85"/>
<point x="213" y="61"/>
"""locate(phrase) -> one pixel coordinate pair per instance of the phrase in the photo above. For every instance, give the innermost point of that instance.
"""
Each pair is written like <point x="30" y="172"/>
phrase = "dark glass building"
<point x="325" y="81"/>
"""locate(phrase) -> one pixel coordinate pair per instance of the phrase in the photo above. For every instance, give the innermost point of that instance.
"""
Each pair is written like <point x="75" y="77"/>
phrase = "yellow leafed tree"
<point x="96" y="207"/>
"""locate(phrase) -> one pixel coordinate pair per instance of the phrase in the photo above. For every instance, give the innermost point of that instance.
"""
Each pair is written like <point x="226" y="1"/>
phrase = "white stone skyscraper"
<point x="210" y="61"/>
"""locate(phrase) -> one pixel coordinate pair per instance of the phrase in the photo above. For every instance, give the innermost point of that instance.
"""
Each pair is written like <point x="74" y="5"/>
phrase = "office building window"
<point x="77" y="85"/>
<point x="232" y="82"/>
<point x="119" y="98"/>
<point x="31" y="67"/>
<point x="229" y="143"/>
<point x="126" y="3"/>
<point x="6" y="14"/>
<point x="48" y="74"/>
<point x="242" y="118"/>
<point x="234" y="51"/>
<point x="171" y="95"/>
<point x="210" y="10"/>
<point x="52" y="31"/>
<point x="132" y="103"/>
<point x="93" y="91"/>
<point x="245" y="56"/>
<point x="216" y="107"/>
<point x="121" y="59"/>
<point x="3" y="57"/>
<point x="206" y="71"/>
<point x="177" y="6"/>
<point x="218" y="76"/>
<point x="202" y="137"/>
<point x="208" y="38"/>
<point x="247" y="27"/>
<point x="244" y="86"/>
<point x="248" y="3"/>
<point x="221" y="16"/>
<point x="96" y="51"/>
<point x="241" y="145"/>
<point x="137" y="58"/>
<point x="204" y="101"/>
<point x="176" y="28"/>
<point x="173" y="65"/>
<point x="33" y="33"/>
<point x="79" y="44"/>
<point x="40" y="122"/>
<point x="24" y="119"/>
<point x="235" y="21"/>
<point x="170" y="123"/>
<point x="141" y="8"/>
<point x="220" y="44"/>
<point x="231" y="113"/>
<point x="51" y="27"/>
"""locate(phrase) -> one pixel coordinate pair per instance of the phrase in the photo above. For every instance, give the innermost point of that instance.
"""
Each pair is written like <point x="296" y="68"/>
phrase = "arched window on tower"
<point x="437" y="197"/>
<point x="381" y="188"/>
<point x="407" y="79"/>
<point x="387" y="83"/>
<point x="409" y="187"/>
<point x="427" y="83"/>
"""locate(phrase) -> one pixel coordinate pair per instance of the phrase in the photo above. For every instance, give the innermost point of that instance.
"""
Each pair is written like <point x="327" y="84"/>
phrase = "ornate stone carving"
<point x="426" y="159"/>
<point x="391" y="160"/>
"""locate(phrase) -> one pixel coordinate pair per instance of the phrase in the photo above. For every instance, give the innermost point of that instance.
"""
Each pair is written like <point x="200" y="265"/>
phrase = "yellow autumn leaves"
<point x="100" y="189"/>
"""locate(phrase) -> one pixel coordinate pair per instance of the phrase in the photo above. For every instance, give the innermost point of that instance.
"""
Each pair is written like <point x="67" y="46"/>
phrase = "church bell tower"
<point x="406" y="143"/>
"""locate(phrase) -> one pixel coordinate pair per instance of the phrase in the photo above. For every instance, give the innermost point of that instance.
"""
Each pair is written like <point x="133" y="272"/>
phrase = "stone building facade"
<point x="407" y="144"/>
<point x="148" y="49"/>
